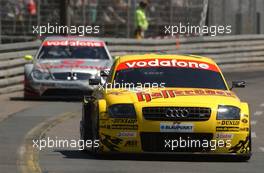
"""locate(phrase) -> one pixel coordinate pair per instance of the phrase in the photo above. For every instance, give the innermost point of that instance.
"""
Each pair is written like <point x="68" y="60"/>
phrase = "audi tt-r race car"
<point x="167" y="104"/>
<point x="63" y="66"/>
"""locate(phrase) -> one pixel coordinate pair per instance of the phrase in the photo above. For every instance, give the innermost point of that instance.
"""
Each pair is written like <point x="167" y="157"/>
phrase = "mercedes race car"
<point x="63" y="66"/>
<point x="156" y="103"/>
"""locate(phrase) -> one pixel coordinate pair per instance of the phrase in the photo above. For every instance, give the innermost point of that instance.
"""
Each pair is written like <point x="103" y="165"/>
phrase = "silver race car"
<point x="63" y="66"/>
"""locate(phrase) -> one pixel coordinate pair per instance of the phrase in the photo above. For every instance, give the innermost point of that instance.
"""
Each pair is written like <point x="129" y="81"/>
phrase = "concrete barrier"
<point x="228" y="51"/>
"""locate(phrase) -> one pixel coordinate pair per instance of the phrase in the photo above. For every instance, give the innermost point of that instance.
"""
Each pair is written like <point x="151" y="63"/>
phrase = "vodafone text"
<point x="166" y="63"/>
<point x="73" y="43"/>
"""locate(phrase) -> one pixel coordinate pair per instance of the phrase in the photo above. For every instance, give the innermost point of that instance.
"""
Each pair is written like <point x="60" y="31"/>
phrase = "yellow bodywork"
<point x="125" y="135"/>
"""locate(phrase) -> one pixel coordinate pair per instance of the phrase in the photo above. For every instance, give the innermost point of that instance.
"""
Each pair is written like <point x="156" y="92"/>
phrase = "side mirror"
<point x="104" y="73"/>
<point x="28" y="57"/>
<point x="94" y="81"/>
<point x="238" y="84"/>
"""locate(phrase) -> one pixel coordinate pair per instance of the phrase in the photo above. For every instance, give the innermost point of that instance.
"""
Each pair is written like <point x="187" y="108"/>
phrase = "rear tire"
<point x="26" y="96"/>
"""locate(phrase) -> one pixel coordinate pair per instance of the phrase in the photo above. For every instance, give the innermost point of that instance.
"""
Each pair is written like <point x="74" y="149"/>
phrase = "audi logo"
<point x="176" y="113"/>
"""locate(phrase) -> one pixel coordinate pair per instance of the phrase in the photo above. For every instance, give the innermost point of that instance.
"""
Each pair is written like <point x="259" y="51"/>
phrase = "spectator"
<point x="19" y="10"/>
<point x="141" y="20"/>
<point x="93" y="11"/>
<point x="32" y="8"/>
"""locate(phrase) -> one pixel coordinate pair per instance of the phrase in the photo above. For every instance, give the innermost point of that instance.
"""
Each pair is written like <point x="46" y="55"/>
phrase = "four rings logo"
<point x="176" y="113"/>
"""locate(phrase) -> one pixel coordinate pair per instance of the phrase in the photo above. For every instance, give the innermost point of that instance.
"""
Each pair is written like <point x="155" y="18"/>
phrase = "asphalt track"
<point x="15" y="129"/>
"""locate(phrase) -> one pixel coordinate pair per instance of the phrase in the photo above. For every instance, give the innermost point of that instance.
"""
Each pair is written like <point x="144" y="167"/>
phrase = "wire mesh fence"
<point x="115" y="17"/>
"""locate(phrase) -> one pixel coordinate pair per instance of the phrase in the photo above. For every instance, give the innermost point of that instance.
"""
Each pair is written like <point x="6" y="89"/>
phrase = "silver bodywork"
<point x="70" y="76"/>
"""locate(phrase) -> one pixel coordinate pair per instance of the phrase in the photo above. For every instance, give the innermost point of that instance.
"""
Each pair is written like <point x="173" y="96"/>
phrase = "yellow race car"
<point x="155" y="103"/>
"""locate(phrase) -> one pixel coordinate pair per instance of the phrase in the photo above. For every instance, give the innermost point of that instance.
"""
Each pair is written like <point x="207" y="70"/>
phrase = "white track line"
<point x="253" y="122"/>
<point x="257" y="113"/>
<point x="253" y="134"/>
<point x="261" y="148"/>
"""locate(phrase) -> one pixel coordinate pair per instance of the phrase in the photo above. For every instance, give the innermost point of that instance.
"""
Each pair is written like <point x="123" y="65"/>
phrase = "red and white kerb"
<point x="176" y="63"/>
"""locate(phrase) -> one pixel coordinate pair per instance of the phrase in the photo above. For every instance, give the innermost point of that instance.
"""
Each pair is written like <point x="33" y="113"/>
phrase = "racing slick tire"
<point x="26" y="92"/>
<point x="95" y="135"/>
<point x="86" y="124"/>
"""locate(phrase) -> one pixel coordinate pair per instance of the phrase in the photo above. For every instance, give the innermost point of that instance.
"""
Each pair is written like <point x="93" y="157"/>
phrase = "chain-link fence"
<point x="18" y="16"/>
<point x="116" y="17"/>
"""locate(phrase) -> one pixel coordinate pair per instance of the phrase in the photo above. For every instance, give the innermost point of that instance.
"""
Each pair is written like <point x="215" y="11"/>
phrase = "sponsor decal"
<point x="230" y="122"/>
<point x="124" y="127"/>
<point x="127" y="134"/>
<point x="69" y="64"/>
<point x="170" y="127"/>
<point x="73" y="43"/>
<point x="131" y="143"/>
<point x="124" y="121"/>
<point x="243" y="146"/>
<point x="121" y="124"/>
<point x="227" y="128"/>
<point x="148" y="96"/>
<point x="110" y="142"/>
<point x="224" y="136"/>
<point x="246" y="129"/>
<point x="105" y="126"/>
<point x="176" y="63"/>
<point x="244" y="121"/>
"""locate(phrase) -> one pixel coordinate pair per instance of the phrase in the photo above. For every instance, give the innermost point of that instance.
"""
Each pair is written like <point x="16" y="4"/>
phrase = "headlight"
<point x="122" y="111"/>
<point x="228" y="113"/>
<point x="41" y="75"/>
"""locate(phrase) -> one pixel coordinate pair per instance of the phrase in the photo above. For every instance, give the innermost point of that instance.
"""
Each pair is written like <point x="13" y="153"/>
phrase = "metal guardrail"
<point x="228" y="51"/>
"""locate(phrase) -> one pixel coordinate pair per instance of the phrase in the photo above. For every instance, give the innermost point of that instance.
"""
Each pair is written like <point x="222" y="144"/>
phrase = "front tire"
<point x="86" y="124"/>
<point x="95" y="133"/>
<point x="26" y="86"/>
